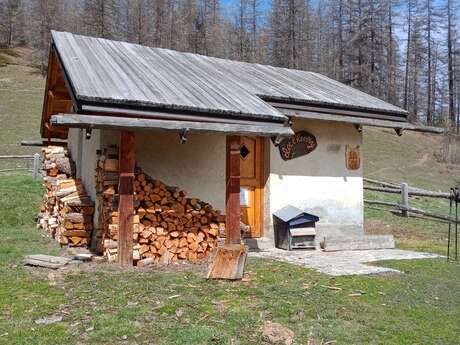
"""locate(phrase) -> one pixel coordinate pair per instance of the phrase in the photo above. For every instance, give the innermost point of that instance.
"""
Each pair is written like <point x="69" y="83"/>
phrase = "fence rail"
<point x="34" y="159"/>
<point x="403" y="207"/>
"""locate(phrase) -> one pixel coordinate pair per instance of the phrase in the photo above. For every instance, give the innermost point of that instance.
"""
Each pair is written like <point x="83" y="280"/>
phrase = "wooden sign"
<point x="300" y="144"/>
<point x="352" y="158"/>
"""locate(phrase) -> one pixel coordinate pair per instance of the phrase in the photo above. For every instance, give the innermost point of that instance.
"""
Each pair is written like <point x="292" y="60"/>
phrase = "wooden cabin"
<point x="249" y="139"/>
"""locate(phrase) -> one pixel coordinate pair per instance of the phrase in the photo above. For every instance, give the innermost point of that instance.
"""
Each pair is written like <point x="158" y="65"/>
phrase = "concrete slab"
<point x="366" y="242"/>
<point x="341" y="263"/>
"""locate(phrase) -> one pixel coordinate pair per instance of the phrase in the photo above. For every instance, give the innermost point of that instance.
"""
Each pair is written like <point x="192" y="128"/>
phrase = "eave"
<point x="358" y="119"/>
<point x="183" y="127"/>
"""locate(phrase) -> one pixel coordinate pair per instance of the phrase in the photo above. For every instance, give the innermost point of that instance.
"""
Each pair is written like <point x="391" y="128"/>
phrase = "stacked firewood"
<point x="168" y="226"/>
<point x="66" y="209"/>
<point x="57" y="163"/>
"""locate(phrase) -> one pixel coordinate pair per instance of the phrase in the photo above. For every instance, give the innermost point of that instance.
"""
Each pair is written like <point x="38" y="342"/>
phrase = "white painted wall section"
<point x="198" y="166"/>
<point x="320" y="183"/>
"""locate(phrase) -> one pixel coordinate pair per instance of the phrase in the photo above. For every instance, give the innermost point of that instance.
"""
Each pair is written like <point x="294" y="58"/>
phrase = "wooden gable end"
<point x="56" y="100"/>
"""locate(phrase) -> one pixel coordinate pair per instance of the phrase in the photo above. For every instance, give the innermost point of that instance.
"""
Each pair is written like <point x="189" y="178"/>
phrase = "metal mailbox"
<point x="294" y="228"/>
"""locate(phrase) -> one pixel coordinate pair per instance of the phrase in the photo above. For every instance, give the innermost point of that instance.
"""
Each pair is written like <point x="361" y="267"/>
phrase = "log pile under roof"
<point x="66" y="209"/>
<point x="168" y="225"/>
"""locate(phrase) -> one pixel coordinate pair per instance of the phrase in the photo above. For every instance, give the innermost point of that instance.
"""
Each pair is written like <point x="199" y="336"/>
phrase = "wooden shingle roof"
<point x="116" y="73"/>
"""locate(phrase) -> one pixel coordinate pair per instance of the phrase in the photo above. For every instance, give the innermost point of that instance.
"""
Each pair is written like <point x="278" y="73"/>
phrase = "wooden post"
<point x="229" y="259"/>
<point x="232" y="226"/>
<point x="126" y="198"/>
<point x="36" y="166"/>
<point x="404" y="199"/>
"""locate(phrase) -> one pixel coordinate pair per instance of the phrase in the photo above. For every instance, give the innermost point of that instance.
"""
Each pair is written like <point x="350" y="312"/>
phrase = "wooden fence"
<point x="29" y="163"/>
<point x="405" y="191"/>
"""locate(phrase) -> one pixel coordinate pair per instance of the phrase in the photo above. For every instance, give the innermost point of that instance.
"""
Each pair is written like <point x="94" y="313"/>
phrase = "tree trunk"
<point x="429" y="115"/>
<point x="408" y="44"/>
<point x="450" y="68"/>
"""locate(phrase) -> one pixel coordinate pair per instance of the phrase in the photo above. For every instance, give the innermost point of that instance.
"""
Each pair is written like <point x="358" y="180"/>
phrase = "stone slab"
<point x="342" y="263"/>
<point x="358" y="243"/>
<point x="47" y="261"/>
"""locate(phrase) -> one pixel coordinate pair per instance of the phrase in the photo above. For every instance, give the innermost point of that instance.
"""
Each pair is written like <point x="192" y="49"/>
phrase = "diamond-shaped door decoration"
<point x="244" y="151"/>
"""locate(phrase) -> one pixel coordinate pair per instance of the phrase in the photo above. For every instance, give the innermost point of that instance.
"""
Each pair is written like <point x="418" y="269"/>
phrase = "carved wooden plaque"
<point x="300" y="144"/>
<point x="352" y="158"/>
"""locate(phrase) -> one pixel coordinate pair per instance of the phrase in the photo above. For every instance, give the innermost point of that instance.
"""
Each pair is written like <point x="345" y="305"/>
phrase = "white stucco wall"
<point x="83" y="152"/>
<point x="319" y="182"/>
<point x="198" y="166"/>
<point x="89" y="161"/>
<point x="72" y="143"/>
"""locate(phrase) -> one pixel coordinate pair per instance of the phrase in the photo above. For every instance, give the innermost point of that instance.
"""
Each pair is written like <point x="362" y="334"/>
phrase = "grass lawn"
<point x="104" y="305"/>
<point x="409" y="158"/>
<point x="21" y="97"/>
<point x="416" y="233"/>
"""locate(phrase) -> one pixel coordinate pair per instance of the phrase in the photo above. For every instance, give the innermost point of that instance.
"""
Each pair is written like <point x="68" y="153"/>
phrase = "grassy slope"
<point x="21" y="97"/>
<point x="409" y="158"/>
<point x="104" y="305"/>
<point x="23" y="297"/>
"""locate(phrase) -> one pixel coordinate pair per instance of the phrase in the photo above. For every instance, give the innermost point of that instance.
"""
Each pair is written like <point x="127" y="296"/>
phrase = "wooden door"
<point x="252" y="182"/>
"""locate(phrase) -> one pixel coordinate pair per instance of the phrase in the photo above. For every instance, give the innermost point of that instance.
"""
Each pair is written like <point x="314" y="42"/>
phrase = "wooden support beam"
<point x="250" y="128"/>
<point x="229" y="259"/>
<point x="232" y="227"/>
<point x="42" y="143"/>
<point x="126" y="199"/>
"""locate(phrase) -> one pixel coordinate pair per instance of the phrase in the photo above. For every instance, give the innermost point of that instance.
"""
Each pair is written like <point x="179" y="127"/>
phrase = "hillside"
<point x="409" y="158"/>
<point x="21" y="97"/>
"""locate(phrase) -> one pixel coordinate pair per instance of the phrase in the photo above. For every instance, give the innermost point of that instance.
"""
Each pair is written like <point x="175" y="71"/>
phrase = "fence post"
<point x="404" y="198"/>
<point x="36" y="166"/>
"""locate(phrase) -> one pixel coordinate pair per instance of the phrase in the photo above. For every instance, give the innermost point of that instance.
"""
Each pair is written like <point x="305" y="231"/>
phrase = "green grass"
<point x="409" y="158"/>
<point x="11" y="52"/>
<point x="104" y="305"/>
<point x="21" y="97"/>
<point x="415" y="232"/>
<point x="24" y="297"/>
<point x="4" y="60"/>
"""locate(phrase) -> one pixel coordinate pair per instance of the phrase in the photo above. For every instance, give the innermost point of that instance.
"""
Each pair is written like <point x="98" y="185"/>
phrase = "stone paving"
<point x="342" y="263"/>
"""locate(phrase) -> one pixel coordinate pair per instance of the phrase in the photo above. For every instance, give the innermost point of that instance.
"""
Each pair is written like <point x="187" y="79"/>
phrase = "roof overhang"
<point x="359" y="120"/>
<point x="266" y="129"/>
<point x="65" y="108"/>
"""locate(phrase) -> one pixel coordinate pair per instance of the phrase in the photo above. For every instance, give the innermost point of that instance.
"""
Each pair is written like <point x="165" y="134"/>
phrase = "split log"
<point x="66" y="207"/>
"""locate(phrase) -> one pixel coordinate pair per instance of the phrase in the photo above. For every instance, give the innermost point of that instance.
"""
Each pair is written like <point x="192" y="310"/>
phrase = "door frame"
<point x="259" y="185"/>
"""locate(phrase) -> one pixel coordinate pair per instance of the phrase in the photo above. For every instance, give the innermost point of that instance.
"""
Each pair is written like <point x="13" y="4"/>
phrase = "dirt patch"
<point x="274" y="333"/>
